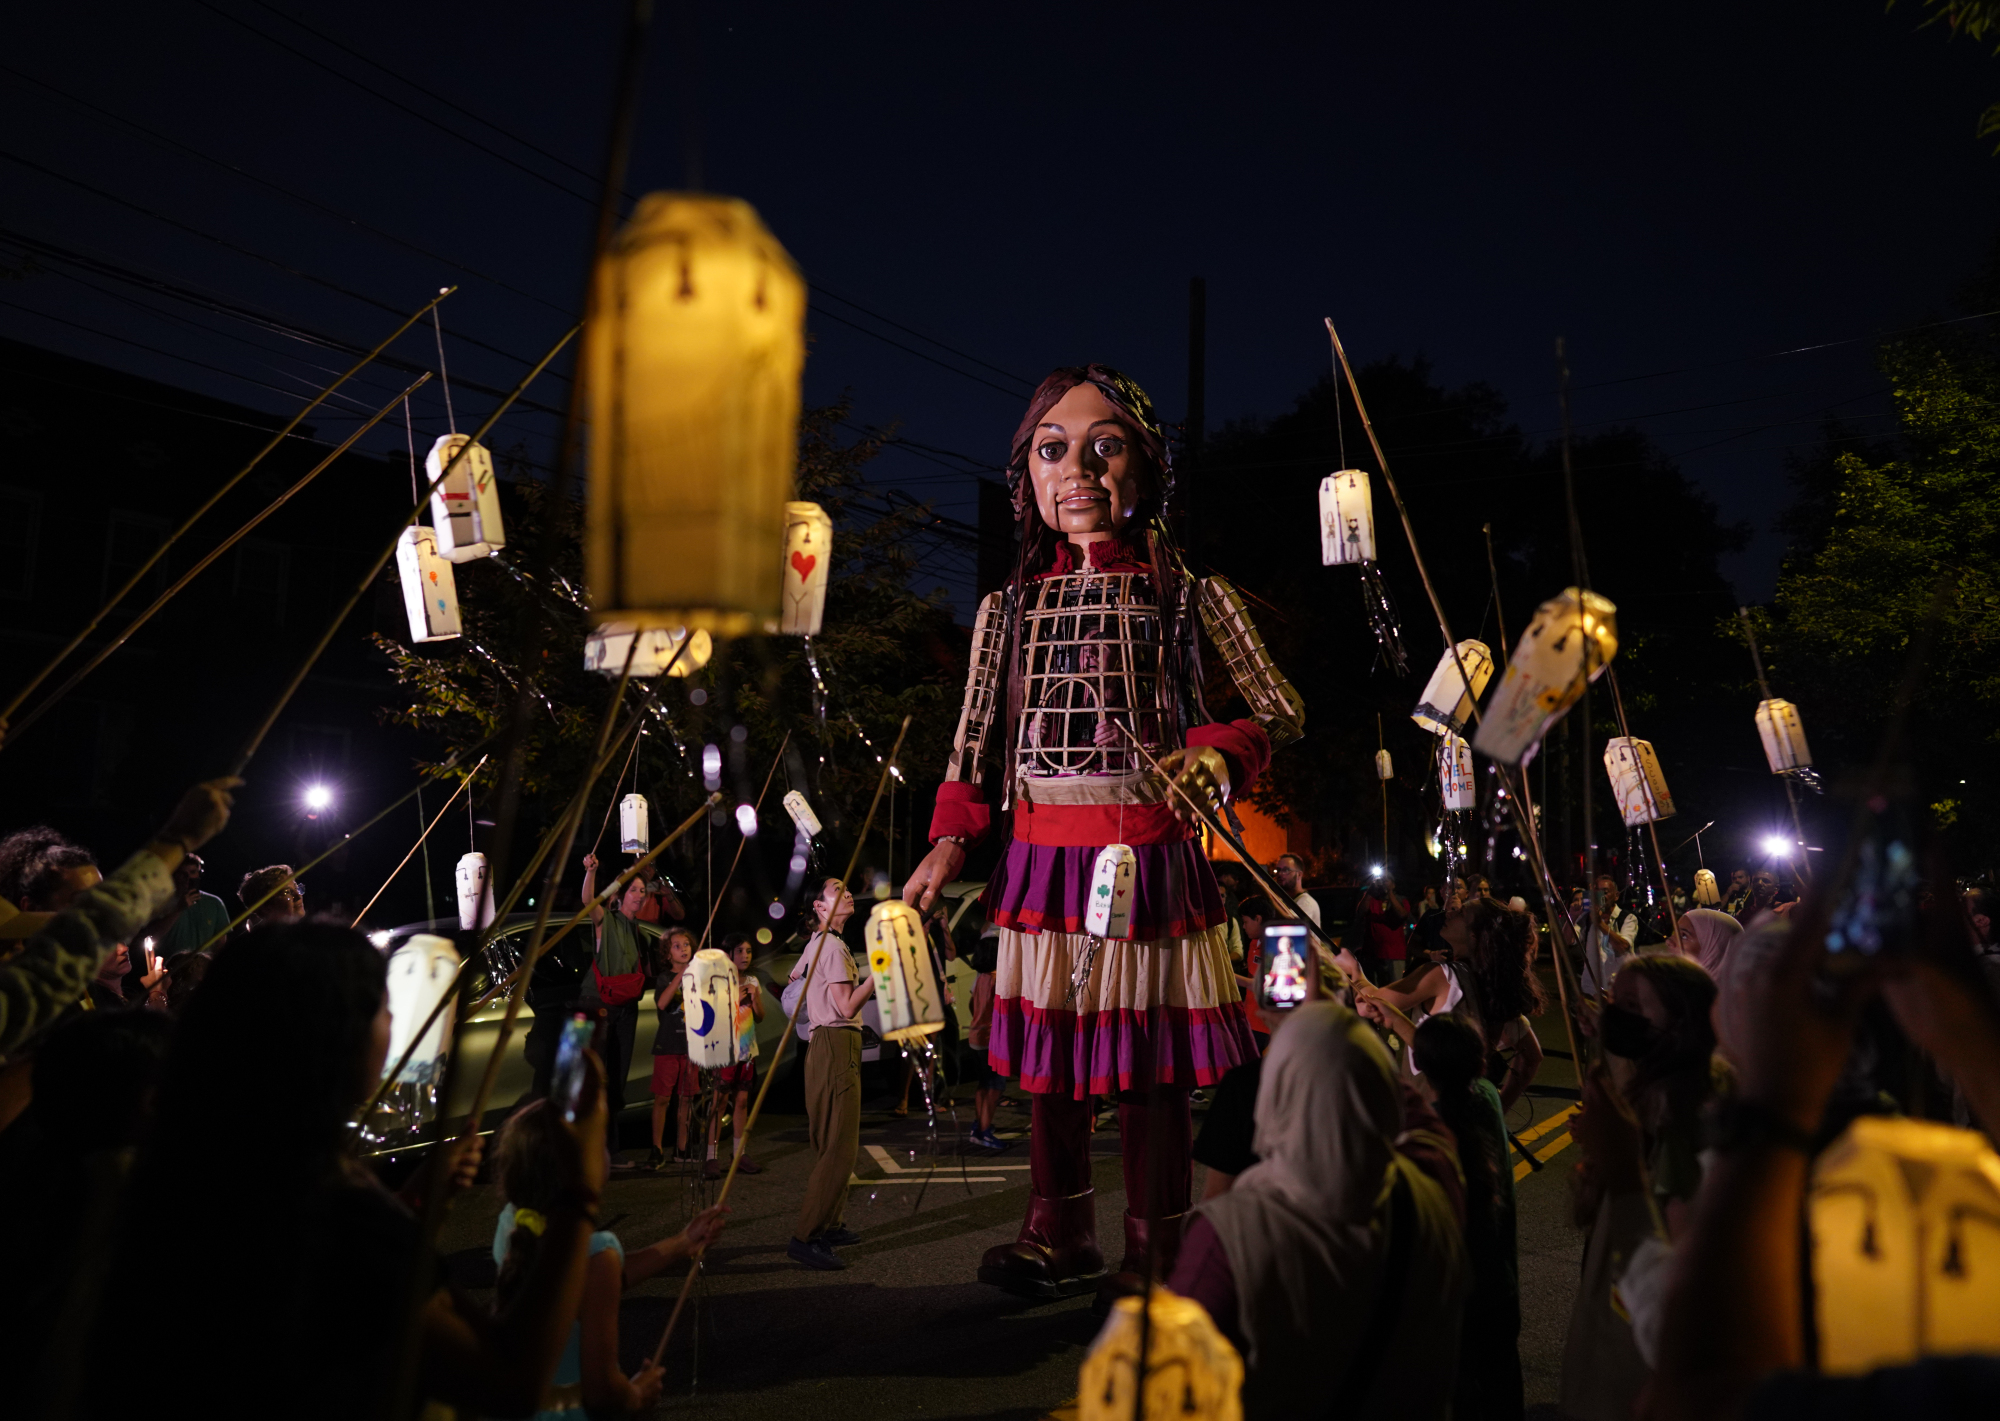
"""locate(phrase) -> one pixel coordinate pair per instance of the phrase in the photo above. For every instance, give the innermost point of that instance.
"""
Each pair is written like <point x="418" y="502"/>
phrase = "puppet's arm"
<point x="962" y="811"/>
<point x="1275" y="706"/>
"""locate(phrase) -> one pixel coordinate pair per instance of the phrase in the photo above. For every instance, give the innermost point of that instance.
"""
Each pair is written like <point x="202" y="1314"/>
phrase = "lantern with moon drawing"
<point x="609" y="648"/>
<point x="1110" y="911"/>
<point x="808" y="559"/>
<point x="1346" y="519"/>
<point x="430" y="591"/>
<point x="1446" y="706"/>
<point x="709" y="987"/>
<point x="632" y="827"/>
<point x="1568" y="644"/>
<point x="465" y="508"/>
<point x="1637" y="781"/>
<point x="907" y="993"/>
<point x="1191" y="1369"/>
<point x="691" y="358"/>
<point x="475" y="893"/>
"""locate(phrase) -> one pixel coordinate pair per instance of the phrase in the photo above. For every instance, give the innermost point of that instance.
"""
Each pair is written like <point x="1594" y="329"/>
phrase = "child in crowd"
<point x="675" y="1076"/>
<point x="588" y="1379"/>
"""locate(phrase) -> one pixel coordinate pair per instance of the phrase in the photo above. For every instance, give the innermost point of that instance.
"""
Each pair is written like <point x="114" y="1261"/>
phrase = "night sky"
<point x="1679" y="189"/>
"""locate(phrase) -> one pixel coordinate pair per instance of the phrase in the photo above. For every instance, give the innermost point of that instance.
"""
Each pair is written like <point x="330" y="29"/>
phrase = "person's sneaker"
<point x="813" y="1254"/>
<point x="1197" y="1097"/>
<point x="712" y="1170"/>
<point x="653" y="1160"/>
<point x="840" y="1236"/>
<point x="986" y="1139"/>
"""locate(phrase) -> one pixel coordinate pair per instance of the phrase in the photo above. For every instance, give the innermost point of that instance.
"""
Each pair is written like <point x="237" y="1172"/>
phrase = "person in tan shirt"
<point x="832" y="1006"/>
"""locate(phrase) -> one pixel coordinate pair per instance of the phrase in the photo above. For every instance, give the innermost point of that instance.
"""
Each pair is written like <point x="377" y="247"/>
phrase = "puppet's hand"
<point x="1200" y="774"/>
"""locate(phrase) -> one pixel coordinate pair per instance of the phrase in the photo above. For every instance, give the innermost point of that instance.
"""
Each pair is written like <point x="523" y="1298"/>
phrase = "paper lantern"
<point x="1109" y="912"/>
<point x="1191" y="1370"/>
<point x="421" y="974"/>
<point x="1385" y="768"/>
<point x="632" y="827"/>
<point x="430" y="591"/>
<point x="802" y="814"/>
<point x="808" y="558"/>
<point x="1568" y="644"/>
<point x="692" y="359"/>
<point x="1461" y="790"/>
<point x="907" y="995"/>
<point x="475" y="893"/>
<point x="1445" y="708"/>
<point x="1706" y="893"/>
<point x="1784" y="738"/>
<point x="606" y="648"/>
<point x="465" y="508"/>
<point x="1346" y="519"/>
<point x="709" y="989"/>
<point x="1637" y="781"/>
<point x="1905" y="1221"/>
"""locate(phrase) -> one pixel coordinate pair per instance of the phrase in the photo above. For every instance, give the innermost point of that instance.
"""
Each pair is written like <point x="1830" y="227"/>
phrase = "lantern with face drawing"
<point x="475" y="893"/>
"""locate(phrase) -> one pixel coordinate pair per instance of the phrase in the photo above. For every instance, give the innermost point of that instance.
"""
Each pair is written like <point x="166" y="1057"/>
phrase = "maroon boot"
<point x="1056" y="1255"/>
<point x="1157" y="1133"/>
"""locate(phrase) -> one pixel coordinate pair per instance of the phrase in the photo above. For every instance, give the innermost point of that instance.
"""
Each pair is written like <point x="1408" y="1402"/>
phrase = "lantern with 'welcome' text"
<point x="907" y="994"/>
<point x="808" y="558"/>
<point x="1569" y="643"/>
<point x="430" y="591"/>
<point x="708" y="990"/>
<point x="1637" y="781"/>
<point x="465" y="508"/>
<point x="475" y="893"/>
<point x="1346" y="519"/>
<point x="1461" y="791"/>
<point x="692" y="358"/>
<point x="1446" y="706"/>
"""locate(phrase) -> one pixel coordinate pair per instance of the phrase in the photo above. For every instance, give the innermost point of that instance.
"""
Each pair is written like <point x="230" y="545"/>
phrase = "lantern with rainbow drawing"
<point x="430" y="591"/>
<point x="1446" y="706"/>
<point x="808" y="560"/>
<point x="1568" y="644"/>
<point x="465" y="508"/>
<point x="692" y="358"/>
<point x="1346" y="519"/>
<point x="709" y="989"/>
<point x="908" y="996"/>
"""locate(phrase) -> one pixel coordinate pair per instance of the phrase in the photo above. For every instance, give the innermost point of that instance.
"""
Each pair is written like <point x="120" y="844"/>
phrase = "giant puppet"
<point x="1092" y="643"/>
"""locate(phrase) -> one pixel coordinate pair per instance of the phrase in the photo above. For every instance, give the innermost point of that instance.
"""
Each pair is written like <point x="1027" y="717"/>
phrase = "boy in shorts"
<point x="675" y="1076"/>
<point x="740" y="1077"/>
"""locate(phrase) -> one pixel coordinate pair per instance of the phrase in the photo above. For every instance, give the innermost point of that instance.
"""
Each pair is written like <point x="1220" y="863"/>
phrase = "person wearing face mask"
<point x="1660" y="1070"/>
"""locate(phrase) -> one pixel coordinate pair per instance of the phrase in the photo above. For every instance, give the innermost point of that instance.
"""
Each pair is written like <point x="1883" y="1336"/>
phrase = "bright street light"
<point x="318" y="797"/>
<point x="1375" y="870"/>
<point x="1777" y="846"/>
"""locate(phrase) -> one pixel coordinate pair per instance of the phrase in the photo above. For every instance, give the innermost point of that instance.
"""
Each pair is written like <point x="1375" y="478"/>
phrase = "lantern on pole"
<point x="1783" y="736"/>
<point x="1346" y="519"/>
<point x="430" y="591"/>
<point x="465" y="508"/>
<point x="1637" y="781"/>
<point x="1455" y="777"/>
<point x="421" y="974"/>
<point x="1905" y="1222"/>
<point x="1385" y="768"/>
<point x="1109" y="912"/>
<point x="1568" y="644"/>
<point x="475" y="893"/>
<point x="692" y="359"/>
<point x="709" y="989"/>
<point x="808" y="559"/>
<point x="908" y="997"/>
<point x="1707" y="893"/>
<point x="1446" y="705"/>
<point x="802" y="814"/>
<point x="633" y="837"/>
<point x="607" y="648"/>
<point x="1191" y="1369"/>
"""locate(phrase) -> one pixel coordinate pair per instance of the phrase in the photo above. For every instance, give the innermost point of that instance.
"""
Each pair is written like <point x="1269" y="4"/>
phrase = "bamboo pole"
<point x="730" y="876"/>
<point x="463" y="786"/>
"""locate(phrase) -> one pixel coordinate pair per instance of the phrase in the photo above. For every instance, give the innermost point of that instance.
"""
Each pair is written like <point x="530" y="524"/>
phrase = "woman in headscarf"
<point x="1706" y="936"/>
<point x="1335" y="1263"/>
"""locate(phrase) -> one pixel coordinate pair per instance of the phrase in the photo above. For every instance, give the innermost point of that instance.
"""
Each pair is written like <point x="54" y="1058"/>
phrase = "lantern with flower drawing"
<point x="908" y="997"/>
<point x="430" y="591"/>
<point x="808" y="557"/>
<point x="692" y="359"/>
<point x="1568" y="644"/>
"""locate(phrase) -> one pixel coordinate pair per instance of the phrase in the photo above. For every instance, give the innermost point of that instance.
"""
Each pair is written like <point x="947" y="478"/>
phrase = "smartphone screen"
<point x="568" y="1084"/>
<point x="1283" y="984"/>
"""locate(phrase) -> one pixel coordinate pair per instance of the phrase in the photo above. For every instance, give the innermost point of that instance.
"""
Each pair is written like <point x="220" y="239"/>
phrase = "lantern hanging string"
<point x="250" y="909"/>
<point x="611" y="806"/>
<point x="104" y="652"/>
<point x="730" y="876"/>
<point x="1561" y="930"/>
<point x="444" y="375"/>
<point x="784" y="1037"/>
<point x="410" y="442"/>
<point x="1499" y="611"/>
<point x="139" y="573"/>
<point x="1652" y="806"/>
<point x="463" y="785"/>
<point x="256" y="739"/>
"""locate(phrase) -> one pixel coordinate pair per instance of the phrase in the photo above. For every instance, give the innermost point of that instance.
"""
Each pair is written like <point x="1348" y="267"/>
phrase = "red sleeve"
<point x="961" y="809"/>
<point x="1243" y="744"/>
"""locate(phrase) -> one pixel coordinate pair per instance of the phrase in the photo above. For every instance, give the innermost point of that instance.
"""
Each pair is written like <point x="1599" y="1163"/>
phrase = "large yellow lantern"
<point x="1569" y="643"/>
<point x="1191" y="1370"/>
<point x="691" y="363"/>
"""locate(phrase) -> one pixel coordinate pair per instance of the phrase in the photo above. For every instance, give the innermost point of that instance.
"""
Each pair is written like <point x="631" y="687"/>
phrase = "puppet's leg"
<point x="1157" y="1133"/>
<point x="1056" y="1255"/>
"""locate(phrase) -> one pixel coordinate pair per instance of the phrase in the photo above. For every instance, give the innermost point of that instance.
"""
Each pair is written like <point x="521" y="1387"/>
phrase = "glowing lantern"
<point x="421" y="974"/>
<point x="709" y="989"/>
<point x="1905" y="1220"/>
<point x="1784" y="738"/>
<point x="808" y="557"/>
<point x="908" y="998"/>
<point x="475" y="893"/>
<point x="1191" y="1370"/>
<point x="606" y="648"/>
<point x="692" y="361"/>
<point x="430" y="591"/>
<point x="1569" y="643"/>
<point x="1109" y="913"/>
<point x="465" y="508"/>
<point x="1346" y="519"/>
<point x="1706" y="893"/>
<point x="1445" y="706"/>
<point x="802" y="814"/>
<point x="632" y="826"/>
<point x="1461" y="791"/>
<point x="1385" y="768"/>
<point x="1637" y="781"/>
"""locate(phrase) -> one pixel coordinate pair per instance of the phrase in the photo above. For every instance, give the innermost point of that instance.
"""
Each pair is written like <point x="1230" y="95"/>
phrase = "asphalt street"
<point x="906" y="1330"/>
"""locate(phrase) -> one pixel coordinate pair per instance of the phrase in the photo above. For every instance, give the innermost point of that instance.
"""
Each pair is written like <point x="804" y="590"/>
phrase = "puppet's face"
<point x="1086" y="468"/>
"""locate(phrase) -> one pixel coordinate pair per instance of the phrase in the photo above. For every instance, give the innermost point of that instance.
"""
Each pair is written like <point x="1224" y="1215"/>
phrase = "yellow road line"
<point x="1542" y="1127"/>
<point x="1554" y="1148"/>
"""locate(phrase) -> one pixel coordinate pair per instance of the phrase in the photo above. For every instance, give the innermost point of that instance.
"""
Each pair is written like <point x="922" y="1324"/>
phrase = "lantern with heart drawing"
<point x="1112" y="882"/>
<point x="808" y="557"/>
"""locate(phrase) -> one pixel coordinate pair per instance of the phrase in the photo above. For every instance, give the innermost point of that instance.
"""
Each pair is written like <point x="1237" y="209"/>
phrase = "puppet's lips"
<point x="1085" y="499"/>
